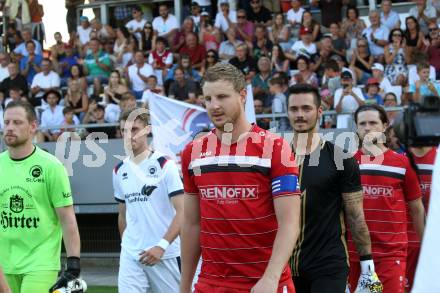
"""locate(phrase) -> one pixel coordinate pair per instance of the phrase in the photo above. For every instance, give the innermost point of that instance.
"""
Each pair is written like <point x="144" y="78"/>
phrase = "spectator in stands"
<point x="347" y="99"/>
<point x="259" y="14"/>
<point x="113" y="111"/>
<point x="295" y="14"/>
<point x="304" y="46"/>
<point x="76" y="73"/>
<point x="194" y="50"/>
<point x="279" y="102"/>
<point x="244" y="28"/>
<point x="124" y="46"/>
<point x="210" y="36"/>
<point x="136" y="24"/>
<point x="259" y="109"/>
<point x="324" y="55"/>
<point x="95" y="115"/>
<point x="186" y="28"/>
<point x="417" y="58"/>
<point x="339" y="45"/>
<point x="332" y="78"/>
<point x="166" y="24"/>
<point x="425" y="13"/>
<point x="390" y="100"/>
<point x="122" y="14"/>
<point x="58" y="50"/>
<point x="279" y="32"/>
<point x="331" y="10"/>
<point x="309" y="22"/>
<point x="15" y="94"/>
<point x="279" y="60"/>
<point x="371" y="94"/>
<point x="195" y="12"/>
<point x="226" y="17"/>
<point x="154" y="87"/>
<point x="69" y="122"/>
<point x="388" y="17"/>
<point x="30" y="64"/>
<point x="433" y="49"/>
<point x="15" y="79"/>
<point x="396" y="57"/>
<point x="361" y="61"/>
<point x="115" y="88"/>
<point x="384" y="83"/>
<point x="4" y="62"/>
<point x="97" y="66"/>
<point x="161" y="59"/>
<point x="189" y="71"/>
<point x="261" y="46"/>
<point x="260" y="82"/>
<point x="210" y="60"/>
<point x="148" y="40"/>
<point x="103" y="32"/>
<point x="12" y="37"/>
<point x="76" y="99"/>
<point x="352" y="27"/>
<point x="413" y="35"/>
<point x="227" y="47"/>
<point x="138" y="74"/>
<point x="424" y="86"/>
<point x="244" y="62"/>
<point x="44" y="81"/>
<point x="83" y="30"/>
<point x="21" y="49"/>
<point x="183" y="89"/>
<point x="377" y="36"/>
<point x="304" y="75"/>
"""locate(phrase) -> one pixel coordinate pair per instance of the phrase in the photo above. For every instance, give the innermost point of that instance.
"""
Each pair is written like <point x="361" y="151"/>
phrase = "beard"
<point x="14" y="141"/>
<point x="231" y="118"/>
<point x="310" y="126"/>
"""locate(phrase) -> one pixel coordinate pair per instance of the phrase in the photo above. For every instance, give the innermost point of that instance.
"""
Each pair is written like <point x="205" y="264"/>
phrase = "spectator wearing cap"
<point x="425" y="13"/>
<point x="304" y="46"/>
<point x="205" y="6"/>
<point x="30" y="64"/>
<point x="194" y="50"/>
<point x="21" y="49"/>
<point x="295" y="14"/>
<point x="384" y="83"/>
<point x="259" y="14"/>
<point x="347" y="100"/>
<point x="228" y="47"/>
<point x="377" y="36"/>
<point x="244" y="62"/>
<point x="136" y="25"/>
<point x="226" y="17"/>
<point x="83" y="30"/>
<point x="166" y="24"/>
<point x="244" y="29"/>
<point x="261" y="46"/>
<point x="44" y="81"/>
<point x="371" y="94"/>
<point x="361" y="61"/>
<point x="388" y="17"/>
<point x="331" y="10"/>
<point x="138" y="74"/>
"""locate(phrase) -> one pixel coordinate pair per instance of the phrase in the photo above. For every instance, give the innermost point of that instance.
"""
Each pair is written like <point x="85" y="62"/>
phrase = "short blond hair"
<point x="226" y="72"/>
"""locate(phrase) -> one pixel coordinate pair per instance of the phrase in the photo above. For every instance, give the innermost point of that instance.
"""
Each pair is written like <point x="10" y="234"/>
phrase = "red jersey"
<point x="425" y="165"/>
<point x="161" y="58"/>
<point x="196" y="55"/>
<point x="388" y="183"/>
<point x="236" y="185"/>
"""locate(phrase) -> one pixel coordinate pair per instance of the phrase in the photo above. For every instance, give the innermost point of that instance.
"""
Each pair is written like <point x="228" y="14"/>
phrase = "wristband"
<point x="73" y="265"/>
<point x="163" y="243"/>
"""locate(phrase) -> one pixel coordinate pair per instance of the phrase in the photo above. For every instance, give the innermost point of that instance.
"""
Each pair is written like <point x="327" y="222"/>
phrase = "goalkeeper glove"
<point x="71" y="273"/>
<point x="368" y="280"/>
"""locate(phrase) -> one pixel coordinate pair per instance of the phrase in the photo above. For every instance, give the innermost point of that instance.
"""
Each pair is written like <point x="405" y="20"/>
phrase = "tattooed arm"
<point x="354" y="214"/>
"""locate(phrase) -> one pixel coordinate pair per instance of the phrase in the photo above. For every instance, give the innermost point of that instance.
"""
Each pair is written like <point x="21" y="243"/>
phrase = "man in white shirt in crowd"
<point x="384" y="83"/>
<point x="138" y="74"/>
<point x="136" y="25"/>
<point x="4" y="62"/>
<point x="45" y="81"/>
<point x="388" y="17"/>
<point x="377" y="36"/>
<point x="294" y="14"/>
<point x="347" y="100"/>
<point x="26" y="34"/>
<point x="305" y="45"/>
<point x="425" y="13"/>
<point x="225" y="17"/>
<point x="83" y="30"/>
<point x="149" y="192"/>
<point x="166" y="24"/>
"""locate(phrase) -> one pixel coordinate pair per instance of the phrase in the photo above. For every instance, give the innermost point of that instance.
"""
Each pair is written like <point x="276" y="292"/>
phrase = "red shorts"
<point x="411" y="265"/>
<point x="390" y="272"/>
<point x="208" y="288"/>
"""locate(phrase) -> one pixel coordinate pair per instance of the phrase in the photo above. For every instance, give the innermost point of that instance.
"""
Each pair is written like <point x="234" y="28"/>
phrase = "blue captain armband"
<point x="286" y="184"/>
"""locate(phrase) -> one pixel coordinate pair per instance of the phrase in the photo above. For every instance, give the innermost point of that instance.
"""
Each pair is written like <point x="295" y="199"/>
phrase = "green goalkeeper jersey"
<point x="30" y="232"/>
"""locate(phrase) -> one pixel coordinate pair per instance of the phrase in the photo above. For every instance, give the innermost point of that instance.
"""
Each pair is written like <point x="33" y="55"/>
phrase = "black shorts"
<point x="331" y="283"/>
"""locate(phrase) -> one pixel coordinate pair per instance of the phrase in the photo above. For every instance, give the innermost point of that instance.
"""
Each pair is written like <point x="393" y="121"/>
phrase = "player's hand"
<point x="368" y="280"/>
<point x="151" y="256"/>
<point x="265" y="285"/>
<point x="71" y="273"/>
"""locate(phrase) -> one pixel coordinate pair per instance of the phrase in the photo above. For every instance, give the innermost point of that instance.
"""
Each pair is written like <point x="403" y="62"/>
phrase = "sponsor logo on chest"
<point x="377" y="190"/>
<point x="229" y="192"/>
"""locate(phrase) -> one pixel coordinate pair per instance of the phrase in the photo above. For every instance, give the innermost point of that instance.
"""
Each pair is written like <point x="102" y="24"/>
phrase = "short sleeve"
<point x="411" y="187"/>
<point x="188" y="178"/>
<point x="56" y="80"/>
<point x="349" y="176"/>
<point x="283" y="171"/>
<point x="59" y="186"/>
<point x="172" y="179"/>
<point x="117" y="192"/>
<point x="169" y="59"/>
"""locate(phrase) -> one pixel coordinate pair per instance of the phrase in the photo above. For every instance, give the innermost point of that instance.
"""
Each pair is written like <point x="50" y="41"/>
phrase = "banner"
<point x="175" y="123"/>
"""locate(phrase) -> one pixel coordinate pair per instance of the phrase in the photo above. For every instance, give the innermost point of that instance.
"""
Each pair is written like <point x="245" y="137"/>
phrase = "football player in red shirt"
<point x="241" y="206"/>
<point x="423" y="158"/>
<point x="389" y="184"/>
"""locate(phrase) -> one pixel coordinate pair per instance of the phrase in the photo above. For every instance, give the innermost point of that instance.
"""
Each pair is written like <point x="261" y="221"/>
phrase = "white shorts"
<point x="135" y="277"/>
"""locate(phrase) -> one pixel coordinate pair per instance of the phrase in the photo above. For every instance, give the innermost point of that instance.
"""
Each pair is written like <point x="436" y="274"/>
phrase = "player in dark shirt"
<point x="330" y="188"/>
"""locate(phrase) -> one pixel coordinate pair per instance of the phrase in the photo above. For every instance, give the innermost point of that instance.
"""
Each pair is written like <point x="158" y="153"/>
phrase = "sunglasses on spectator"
<point x="362" y="45"/>
<point x="389" y="100"/>
<point x="147" y="27"/>
<point x="432" y="30"/>
<point x="210" y="56"/>
<point x="397" y="35"/>
<point x="241" y="16"/>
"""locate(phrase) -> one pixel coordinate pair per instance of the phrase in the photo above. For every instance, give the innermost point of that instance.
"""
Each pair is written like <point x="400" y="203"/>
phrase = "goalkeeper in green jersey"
<point x="36" y="209"/>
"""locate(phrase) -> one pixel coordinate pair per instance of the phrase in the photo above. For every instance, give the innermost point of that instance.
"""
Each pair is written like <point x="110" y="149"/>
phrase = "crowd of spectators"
<point x="103" y="69"/>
